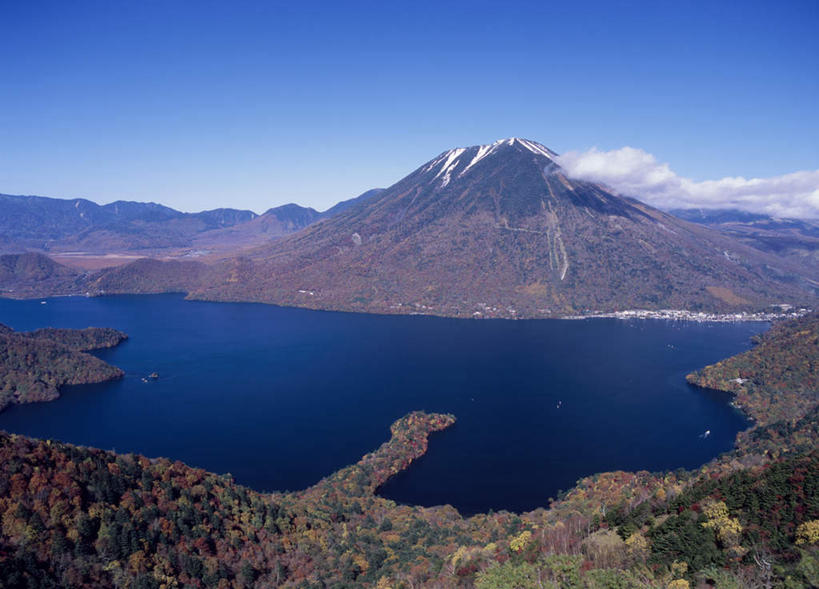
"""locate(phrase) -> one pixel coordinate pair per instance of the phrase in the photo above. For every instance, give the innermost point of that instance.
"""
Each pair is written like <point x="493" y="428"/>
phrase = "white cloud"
<point x="637" y="173"/>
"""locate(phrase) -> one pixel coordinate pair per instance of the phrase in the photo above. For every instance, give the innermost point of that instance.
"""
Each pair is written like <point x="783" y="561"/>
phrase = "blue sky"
<point x="200" y="104"/>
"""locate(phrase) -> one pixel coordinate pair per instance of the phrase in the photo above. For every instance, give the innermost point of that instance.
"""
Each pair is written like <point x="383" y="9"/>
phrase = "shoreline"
<point x="695" y="316"/>
<point x="663" y="314"/>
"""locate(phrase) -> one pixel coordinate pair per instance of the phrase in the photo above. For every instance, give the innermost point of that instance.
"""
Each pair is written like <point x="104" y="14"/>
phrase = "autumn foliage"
<point x="34" y="365"/>
<point x="80" y="517"/>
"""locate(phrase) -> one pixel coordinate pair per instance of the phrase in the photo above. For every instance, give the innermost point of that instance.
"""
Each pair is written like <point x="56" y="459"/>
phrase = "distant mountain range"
<point x="36" y="223"/>
<point x="494" y="230"/>
<point x="795" y="239"/>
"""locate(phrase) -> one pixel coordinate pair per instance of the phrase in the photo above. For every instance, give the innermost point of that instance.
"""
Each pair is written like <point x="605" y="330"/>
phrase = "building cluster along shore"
<point x="783" y="312"/>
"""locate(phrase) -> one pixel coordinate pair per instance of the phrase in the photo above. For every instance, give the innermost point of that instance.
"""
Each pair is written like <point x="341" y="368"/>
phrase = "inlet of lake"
<point x="282" y="397"/>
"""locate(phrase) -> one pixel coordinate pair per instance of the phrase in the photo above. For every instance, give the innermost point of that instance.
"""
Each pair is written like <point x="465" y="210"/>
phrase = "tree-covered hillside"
<point x="776" y="380"/>
<point x="34" y="365"/>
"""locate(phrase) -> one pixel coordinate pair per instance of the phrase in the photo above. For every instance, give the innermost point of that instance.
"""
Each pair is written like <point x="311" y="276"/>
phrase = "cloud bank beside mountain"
<point x="637" y="173"/>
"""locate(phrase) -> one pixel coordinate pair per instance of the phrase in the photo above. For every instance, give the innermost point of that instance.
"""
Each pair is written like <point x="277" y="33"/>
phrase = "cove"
<point x="281" y="397"/>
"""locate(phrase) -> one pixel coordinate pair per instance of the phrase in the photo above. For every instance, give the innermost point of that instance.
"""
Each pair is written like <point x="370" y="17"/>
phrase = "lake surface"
<point x="282" y="397"/>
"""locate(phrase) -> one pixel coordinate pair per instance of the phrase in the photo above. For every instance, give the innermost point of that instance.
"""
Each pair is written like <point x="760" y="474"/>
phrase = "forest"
<point x="776" y="380"/>
<point x="81" y="517"/>
<point x="34" y="365"/>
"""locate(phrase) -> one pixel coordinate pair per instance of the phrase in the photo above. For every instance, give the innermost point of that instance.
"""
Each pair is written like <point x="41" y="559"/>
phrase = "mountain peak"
<point x="527" y="144"/>
<point x="463" y="159"/>
<point x="519" y="142"/>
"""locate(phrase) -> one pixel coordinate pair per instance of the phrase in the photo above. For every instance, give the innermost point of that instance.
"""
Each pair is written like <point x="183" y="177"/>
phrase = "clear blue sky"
<point x="199" y="104"/>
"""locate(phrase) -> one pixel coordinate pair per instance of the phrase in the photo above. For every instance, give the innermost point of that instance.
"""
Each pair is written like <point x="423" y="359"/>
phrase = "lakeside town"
<point x="783" y="312"/>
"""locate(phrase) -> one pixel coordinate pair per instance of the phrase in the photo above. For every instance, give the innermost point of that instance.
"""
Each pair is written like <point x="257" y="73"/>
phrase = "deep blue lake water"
<point x="282" y="397"/>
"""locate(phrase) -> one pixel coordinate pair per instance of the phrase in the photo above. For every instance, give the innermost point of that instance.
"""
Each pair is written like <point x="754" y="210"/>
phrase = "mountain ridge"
<point x="51" y="224"/>
<point x="69" y="228"/>
<point x="794" y="239"/>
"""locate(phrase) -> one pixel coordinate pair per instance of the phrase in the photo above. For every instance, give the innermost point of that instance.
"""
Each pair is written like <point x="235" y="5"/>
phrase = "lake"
<point x="281" y="397"/>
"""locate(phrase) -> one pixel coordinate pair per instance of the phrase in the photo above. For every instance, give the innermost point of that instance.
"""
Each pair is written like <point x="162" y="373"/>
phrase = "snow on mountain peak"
<point x="534" y="147"/>
<point x="450" y="161"/>
<point x="450" y="164"/>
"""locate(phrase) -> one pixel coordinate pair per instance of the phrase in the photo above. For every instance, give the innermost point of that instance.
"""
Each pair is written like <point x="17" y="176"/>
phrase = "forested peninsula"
<point x="80" y="517"/>
<point x="35" y="364"/>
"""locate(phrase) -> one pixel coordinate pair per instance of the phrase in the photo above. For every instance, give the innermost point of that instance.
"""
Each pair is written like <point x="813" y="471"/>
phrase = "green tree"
<point x="508" y="576"/>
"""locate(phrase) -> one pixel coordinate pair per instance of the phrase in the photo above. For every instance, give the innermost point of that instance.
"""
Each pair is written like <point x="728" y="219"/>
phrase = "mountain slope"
<point x="351" y="202"/>
<point x="272" y="224"/>
<point x="500" y="230"/>
<point x="33" y="274"/>
<point x="794" y="239"/>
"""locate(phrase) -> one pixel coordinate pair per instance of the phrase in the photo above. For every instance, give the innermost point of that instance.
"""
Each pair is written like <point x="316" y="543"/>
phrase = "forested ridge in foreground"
<point x="34" y="365"/>
<point x="79" y="517"/>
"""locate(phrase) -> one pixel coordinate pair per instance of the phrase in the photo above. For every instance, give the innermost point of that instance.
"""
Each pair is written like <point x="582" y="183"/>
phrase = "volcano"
<point x="500" y="230"/>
